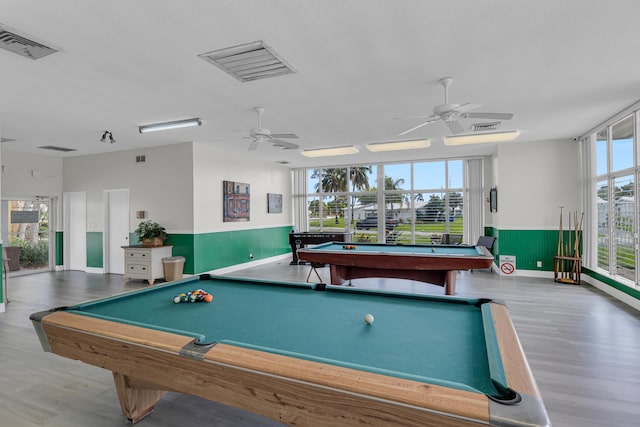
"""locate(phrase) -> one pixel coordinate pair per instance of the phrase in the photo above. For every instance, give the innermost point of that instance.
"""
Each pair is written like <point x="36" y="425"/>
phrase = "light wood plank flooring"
<point x="582" y="345"/>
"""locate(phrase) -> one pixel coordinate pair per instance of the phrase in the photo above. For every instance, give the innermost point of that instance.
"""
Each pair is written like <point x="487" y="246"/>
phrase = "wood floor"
<point x="582" y="345"/>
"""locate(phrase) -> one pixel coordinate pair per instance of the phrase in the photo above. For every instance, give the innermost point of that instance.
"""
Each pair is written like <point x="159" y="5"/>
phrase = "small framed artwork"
<point x="493" y="199"/>
<point x="274" y="203"/>
<point x="236" y="201"/>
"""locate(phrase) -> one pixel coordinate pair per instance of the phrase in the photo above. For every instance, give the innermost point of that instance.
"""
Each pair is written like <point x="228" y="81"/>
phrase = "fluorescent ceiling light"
<point x="482" y="138"/>
<point x="170" y="125"/>
<point x="333" y="151"/>
<point x="398" y="145"/>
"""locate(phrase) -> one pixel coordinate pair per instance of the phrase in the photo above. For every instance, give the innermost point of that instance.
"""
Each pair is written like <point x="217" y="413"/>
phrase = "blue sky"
<point x="427" y="175"/>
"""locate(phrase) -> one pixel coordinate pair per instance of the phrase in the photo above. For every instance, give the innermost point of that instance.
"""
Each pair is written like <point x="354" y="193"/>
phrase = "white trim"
<point x="236" y="267"/>
<point x="615" y="293"/>
<point x="94" y="270"/>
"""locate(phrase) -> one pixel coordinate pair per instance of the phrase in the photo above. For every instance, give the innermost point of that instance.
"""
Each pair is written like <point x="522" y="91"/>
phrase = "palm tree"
<point x="333" y="180"/>
<point x="359" y="181"/>
<point x="390" y="184"/>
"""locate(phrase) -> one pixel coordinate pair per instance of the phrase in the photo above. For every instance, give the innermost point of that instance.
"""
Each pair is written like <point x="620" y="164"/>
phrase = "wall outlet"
<point x="250" y="256"/>
<point x="539" y="264"/>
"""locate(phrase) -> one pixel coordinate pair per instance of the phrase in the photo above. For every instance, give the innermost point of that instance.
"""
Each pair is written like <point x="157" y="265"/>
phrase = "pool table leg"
<point x="136" y="400"/>
<point x="450" y="282"/>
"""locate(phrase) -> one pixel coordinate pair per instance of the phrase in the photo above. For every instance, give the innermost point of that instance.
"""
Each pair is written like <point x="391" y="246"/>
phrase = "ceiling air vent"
<point x="247" y="62"/>
<point x="23" y="46"/>
<point x="55" y="148"/>
<point x="478" y="127"/>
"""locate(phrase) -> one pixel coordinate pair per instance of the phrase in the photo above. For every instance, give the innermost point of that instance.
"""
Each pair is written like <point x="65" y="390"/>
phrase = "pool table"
<point x="302" y="353"/>
<point x="436" y="264"/>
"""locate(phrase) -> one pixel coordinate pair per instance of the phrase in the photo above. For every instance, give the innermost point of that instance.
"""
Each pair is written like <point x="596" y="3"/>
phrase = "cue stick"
<point x="576" y="246"/>
<point x="560" y="244"/>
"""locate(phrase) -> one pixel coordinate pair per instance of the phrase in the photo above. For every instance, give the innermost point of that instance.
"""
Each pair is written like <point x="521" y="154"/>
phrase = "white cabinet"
<point x="142" y="262"/>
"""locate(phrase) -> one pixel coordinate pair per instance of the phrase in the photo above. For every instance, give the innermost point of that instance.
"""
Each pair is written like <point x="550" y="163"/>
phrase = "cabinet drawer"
<point x="138" y="269"/>
<point x="137" y="255"/>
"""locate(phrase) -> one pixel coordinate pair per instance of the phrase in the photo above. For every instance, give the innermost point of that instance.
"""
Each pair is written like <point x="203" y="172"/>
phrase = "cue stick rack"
<point x="567" y="262"/>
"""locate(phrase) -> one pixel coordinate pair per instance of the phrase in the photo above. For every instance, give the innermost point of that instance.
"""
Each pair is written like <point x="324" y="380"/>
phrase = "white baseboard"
<point x="237" y="267"/>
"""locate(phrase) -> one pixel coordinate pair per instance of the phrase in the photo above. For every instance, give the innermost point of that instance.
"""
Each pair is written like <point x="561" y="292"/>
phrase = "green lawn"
<point x="455" y="227"/>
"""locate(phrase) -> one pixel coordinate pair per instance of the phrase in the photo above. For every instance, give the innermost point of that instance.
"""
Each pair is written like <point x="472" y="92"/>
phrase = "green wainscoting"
<point x="59" y="248"/>
<point x="94" y="249"/>
<point x="210" y="251"/>
<point x="1" y="278"/>
<point x="528" y="246"/>
<point x="222" y="249"/>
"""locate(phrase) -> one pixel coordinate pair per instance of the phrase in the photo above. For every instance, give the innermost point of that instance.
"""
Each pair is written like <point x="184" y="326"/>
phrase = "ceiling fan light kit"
<point x="170" y="125"/>
<point x="398" y="145"/>
<point x="482" y="138"/>
<point x="332" y="151"/>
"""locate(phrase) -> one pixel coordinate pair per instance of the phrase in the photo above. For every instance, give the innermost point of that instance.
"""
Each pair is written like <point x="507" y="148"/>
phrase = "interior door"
<point x="116" y="229"/>
<point x="75" y="230"/>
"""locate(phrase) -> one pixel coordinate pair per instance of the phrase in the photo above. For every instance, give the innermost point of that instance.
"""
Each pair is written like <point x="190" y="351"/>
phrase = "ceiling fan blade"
<point x="412" y="117"/>
<point x="254" y="144"/>
<point x="418" y="127"/>
<point x="454" y="126"/>
<point x="285" y="135"/>
<point x="466" y="107"/>
<point x="284" y="144"/>
<point x="496" y="116"/>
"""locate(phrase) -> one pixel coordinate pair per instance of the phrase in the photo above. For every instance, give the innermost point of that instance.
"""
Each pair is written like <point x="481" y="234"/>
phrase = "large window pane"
<point x="397" y="177"/>
<point x="622" y="144"/>
<point x="366" y="228"/>
<point x="624" y="227"/>
<point x="430" y="176"/>
<point x="314" y="212"/>
<point x="430" y="218"/>
<point x="603" y="224"/>
<point x="454" y="169"/>
<point x="601" y="152"/>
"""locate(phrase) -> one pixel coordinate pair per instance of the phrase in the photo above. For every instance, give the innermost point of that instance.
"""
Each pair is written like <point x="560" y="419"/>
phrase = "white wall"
<point x="212" y="166"/>
<point x="28" y="175"/>
<point x="534" y="179"/>
<point x="162" y="186"/>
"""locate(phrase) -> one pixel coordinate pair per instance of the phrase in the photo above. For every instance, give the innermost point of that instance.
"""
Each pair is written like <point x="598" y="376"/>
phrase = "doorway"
<point x="28" y="235"/>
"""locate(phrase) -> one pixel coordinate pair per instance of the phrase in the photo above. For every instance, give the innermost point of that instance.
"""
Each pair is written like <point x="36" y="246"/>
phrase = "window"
<point x="614" y="201"/>
<point x="396" y="203"/>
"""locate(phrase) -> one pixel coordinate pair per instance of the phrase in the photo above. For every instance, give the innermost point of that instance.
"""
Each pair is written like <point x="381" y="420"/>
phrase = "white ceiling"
<point x="561" y="66"/>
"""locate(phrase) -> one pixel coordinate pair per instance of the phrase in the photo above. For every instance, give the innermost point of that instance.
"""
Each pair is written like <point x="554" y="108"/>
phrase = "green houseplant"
<point x="151" y="233"/>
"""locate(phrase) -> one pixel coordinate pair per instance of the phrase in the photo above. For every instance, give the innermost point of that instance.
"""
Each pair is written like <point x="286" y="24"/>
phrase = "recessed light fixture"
<point x="170" y="125"/>
<point x="333" y="151"/>
<point x="398" y="145"/>
<point x="482" y="138"/>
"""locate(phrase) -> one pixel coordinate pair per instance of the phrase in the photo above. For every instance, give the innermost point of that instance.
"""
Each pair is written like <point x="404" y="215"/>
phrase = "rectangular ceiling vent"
<point x="247" y="62"/>
<point x="56" y="148"/>
<point x="23" y="46"/>
<point x="479" y="127"/>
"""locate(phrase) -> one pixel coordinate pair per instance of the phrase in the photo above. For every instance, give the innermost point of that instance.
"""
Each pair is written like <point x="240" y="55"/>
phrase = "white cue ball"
<point x="368" y="319"/>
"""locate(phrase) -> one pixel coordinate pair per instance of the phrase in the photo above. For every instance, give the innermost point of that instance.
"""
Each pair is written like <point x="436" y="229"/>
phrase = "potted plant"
<point x="151" y="233"/>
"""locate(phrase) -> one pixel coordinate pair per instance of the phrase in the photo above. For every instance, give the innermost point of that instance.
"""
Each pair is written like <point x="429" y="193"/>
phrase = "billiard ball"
<point x="368" y="318"/>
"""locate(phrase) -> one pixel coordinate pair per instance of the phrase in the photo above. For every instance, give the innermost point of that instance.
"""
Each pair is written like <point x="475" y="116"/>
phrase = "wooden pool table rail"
<point x="437" y="269"/>
<point x="147" y="363"/>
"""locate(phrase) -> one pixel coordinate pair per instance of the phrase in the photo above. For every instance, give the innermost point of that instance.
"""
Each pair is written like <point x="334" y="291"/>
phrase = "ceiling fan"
<point x="450" y="113"/>
<point x="260" y="134"/>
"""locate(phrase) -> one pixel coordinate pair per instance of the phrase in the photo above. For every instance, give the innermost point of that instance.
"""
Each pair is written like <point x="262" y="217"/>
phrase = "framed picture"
<point x="493" y="199"/>
<point x="236" y="201"/>
<point x="274" y="203"/>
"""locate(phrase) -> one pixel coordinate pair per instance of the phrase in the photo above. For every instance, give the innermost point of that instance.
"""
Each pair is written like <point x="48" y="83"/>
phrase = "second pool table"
<point x="436" y="264"/>
<point x="303" y="355"/>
